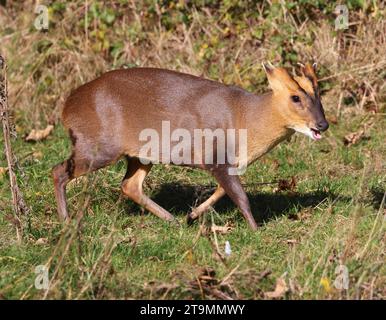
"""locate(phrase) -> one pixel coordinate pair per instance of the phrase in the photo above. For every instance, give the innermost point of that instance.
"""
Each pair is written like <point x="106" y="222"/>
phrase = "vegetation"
<point x="320" y="205"/>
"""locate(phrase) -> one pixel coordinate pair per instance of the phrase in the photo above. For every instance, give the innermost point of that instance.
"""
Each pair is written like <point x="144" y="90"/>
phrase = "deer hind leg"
<point x="83" y="159"/>
<point x="204" y="207"/>
<point x="62" y="174"/>
<point x="66" y="171"/>
<point x="132" y="188"/>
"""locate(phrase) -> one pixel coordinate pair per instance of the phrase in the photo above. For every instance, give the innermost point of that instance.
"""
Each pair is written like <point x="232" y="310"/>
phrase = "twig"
<point x="19" y="206"/>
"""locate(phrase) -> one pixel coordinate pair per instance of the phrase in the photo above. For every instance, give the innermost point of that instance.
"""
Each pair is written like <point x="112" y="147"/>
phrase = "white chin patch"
<point x="312" y="133"/>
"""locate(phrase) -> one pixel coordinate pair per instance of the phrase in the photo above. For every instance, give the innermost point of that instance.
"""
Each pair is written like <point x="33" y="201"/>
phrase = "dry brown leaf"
<point x="82" y="180"/>
<point x="333" y="119"/>
<point x="280" y="289"/>
<point x="37" y="155"/>
<point x="354" y="137"/>
<point x="286" y="185"/>
<point x="13" y="219"/>
<point x="3" y="170"/>
<point x="221" y="229"/>
<point x="294" y="287"/>
<point x="41" y="241"/>
<point x="38" y="135"/>
<point x="292" y="241"/>
<point x="189" y="256"/>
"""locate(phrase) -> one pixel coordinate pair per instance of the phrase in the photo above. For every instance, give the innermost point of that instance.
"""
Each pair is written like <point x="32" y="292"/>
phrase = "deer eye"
<point x="295" y="99"/>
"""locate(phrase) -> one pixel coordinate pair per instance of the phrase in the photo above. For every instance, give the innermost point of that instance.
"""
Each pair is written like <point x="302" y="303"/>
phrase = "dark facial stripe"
<point x="317" y="111"/>
<point x="314" y="85"/>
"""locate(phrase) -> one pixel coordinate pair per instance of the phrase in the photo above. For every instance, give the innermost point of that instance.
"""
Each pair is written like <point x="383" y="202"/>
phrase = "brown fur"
<point x="105" y="116"/>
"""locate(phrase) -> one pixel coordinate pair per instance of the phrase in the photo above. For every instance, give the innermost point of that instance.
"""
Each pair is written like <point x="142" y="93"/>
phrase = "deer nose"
<point x="322" y="125"/>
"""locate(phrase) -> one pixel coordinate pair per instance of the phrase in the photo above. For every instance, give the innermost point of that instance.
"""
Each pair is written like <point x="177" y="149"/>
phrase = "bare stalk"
<point x="18" y="203"/>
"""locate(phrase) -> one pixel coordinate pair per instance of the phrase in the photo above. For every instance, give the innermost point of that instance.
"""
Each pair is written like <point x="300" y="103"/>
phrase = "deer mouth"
<point x="309" y="131"/>
<point x="316" y="135"/>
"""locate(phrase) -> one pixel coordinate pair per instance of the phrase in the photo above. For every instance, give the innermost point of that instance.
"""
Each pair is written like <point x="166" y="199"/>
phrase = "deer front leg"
<point x="232" y="186"/>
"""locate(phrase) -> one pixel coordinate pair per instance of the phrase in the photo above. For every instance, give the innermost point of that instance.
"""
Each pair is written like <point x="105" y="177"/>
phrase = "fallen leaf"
<point x="306" y="213"/>
<point x="355" y="137"/>
<point x="286" y="185"/>
<point x="38" y="135"/>
<point x="18" y="129"/>
<point x="280" y="289"/>
<point x="189" y="257"/>
<point x="325" y="283"/>
<point x="41" y="241"/>
<point x="333" y="119"/>
<point x="3" y="170"/>
<point x="372" y="109"/>
<point x="221" y="229"/>
<point x="37" y="155"/>
<point x="13" y="219"/>
<point x="295" y="287"/>
<point x="292" y="241"/>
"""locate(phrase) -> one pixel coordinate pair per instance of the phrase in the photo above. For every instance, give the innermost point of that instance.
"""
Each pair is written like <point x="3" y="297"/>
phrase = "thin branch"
<point x="18" y="203"/>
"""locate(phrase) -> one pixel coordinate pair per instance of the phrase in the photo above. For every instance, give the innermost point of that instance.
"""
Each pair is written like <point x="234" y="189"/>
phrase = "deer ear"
<point x="268" y="67"/>
<point x="273" y="80"/>
<point x="279" y="79"/>
<point x="309" y="71"/>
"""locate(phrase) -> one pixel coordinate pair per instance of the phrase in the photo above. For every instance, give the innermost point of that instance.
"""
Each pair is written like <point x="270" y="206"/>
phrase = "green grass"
<point x="334" y="216"/>
<point x="118" y="251"/>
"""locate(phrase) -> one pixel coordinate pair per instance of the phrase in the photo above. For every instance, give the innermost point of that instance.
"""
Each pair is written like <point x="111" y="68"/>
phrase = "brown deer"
<point x="106" y="116"/>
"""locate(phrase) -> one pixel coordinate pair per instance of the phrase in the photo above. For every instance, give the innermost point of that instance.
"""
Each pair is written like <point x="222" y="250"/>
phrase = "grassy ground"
<point x="332" y="214"/>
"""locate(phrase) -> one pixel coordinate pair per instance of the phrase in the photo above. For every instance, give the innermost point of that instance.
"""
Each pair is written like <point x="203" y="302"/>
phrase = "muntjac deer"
<point x="106" y="117"/>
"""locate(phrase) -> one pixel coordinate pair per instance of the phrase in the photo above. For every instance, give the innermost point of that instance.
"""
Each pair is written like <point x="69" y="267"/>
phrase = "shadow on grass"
<point x="179" y="199"/>
<point x="377" y="194"/>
